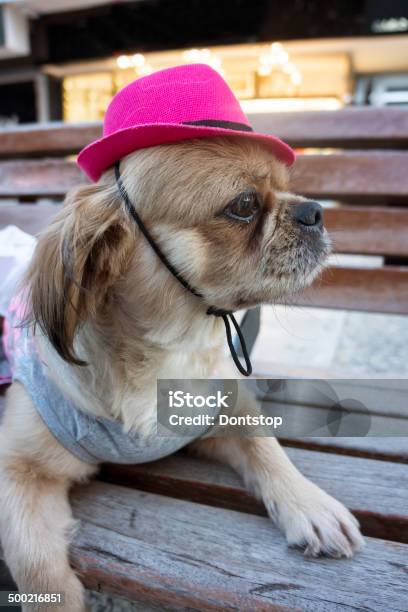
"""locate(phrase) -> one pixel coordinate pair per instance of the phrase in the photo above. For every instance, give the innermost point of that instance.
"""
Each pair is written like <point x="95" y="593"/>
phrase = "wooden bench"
<point x="182" y="533"/>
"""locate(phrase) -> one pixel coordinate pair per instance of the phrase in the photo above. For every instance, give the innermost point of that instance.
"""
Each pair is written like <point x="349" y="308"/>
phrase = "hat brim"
<point x="103" y="153"/>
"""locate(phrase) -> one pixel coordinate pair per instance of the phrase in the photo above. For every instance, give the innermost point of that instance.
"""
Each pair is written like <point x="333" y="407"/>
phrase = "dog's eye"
<point x="244" y="207"/>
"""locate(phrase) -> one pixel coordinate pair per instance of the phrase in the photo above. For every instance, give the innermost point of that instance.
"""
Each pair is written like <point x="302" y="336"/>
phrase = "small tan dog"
<point x="134" y="323"/>
<point x="114" y="310"/>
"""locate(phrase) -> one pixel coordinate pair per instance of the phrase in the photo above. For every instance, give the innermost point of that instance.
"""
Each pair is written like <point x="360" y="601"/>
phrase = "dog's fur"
<point x="102" y="298"/>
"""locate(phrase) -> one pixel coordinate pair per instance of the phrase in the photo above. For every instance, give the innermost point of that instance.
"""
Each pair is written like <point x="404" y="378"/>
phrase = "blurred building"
<point x="64" y="59"/>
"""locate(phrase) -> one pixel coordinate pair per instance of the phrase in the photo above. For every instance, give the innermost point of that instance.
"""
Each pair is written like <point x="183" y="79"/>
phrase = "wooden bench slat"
<point x="366" y="176"/>
<point x="366" y="289"/>
<point x="39" y="178"/>
<point x="186" y="555"/>
<point x="376" y="491"/>
<point x="368" y="230"/>
<point x="353" y="127"/>
<point x="388" y="398"/>
<point x="384" y="448"/>
<point x="315" y="421"/>
<point x="46" y="139"/>
<point x="373" y="290"/>
<point x="359" y="229"/>
<point x="107" y="561"/>
<point x="31" y="218"/>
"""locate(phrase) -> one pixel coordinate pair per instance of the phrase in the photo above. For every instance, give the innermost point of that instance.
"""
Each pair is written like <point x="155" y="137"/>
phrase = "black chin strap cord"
<point x="226" y="315"/>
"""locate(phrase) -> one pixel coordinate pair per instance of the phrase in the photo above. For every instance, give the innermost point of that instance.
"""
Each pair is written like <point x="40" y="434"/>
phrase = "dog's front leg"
<point x="309" y="517"/>
<point x="35" y="516"/>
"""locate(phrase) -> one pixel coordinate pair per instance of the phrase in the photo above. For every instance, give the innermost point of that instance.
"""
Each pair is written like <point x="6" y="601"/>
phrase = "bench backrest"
<point x="356" y="157"/>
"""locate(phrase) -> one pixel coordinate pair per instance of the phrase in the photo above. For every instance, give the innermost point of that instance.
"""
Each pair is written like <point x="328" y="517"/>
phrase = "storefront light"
<point x="278" y="53"/>
<point x="265" y="77"/>
<point x="123" y="62"/>
<point x="203" y="56"/>
<point x="296" y="78"/>
<point x="293" y="73"/>
<point x="276" y="59"/>
<point x="138" y="60"/>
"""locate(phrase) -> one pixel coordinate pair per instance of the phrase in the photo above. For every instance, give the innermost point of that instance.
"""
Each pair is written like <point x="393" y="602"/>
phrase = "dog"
<point x="110" y="319"/>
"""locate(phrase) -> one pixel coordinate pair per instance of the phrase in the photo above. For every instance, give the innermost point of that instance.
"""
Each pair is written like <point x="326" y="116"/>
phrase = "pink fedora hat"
<point x="191" y="101"/>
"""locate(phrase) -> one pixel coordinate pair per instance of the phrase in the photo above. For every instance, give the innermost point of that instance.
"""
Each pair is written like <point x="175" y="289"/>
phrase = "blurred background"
<point x="63" y="60"/>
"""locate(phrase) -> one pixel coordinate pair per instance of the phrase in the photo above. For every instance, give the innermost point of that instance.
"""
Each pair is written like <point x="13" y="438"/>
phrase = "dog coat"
<point x="90" y="438"/>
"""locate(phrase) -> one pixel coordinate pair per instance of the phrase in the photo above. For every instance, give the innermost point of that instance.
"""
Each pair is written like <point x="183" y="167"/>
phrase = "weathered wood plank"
<point x="46" y="139"/>
<point x="388" y="398"/>
<point x="39" y="178"/>
<point x="367" y="289"/>
<point x="386" y="449"/>
<point x="383" y="449"/>
<point x="353" y="229"/>
<point x="316" y="422"/>
<point x="366" y="176"/>
<point x="376" y="491"/>
<point x="353" y="127"/>
<point x="368" y="231"/>
<point x="359" y="175"/>
<point x="190" y="556"/>
<point x="347" y="128"/>
<point x="110" y="562"/>
<point x="31" y="218"/>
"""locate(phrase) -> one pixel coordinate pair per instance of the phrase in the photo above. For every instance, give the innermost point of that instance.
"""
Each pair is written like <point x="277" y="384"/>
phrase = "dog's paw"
<point x="315" y="521"/>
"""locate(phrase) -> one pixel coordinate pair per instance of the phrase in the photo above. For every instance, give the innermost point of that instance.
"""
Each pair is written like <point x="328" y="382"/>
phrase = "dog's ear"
<point x="77" y="260"/>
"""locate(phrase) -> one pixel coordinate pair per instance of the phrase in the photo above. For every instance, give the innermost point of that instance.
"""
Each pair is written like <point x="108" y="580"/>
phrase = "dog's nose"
<point x="308" y="213"/>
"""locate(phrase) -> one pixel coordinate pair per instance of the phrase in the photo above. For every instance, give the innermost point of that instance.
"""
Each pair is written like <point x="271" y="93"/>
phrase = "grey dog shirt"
<point x="90" y="438"/>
